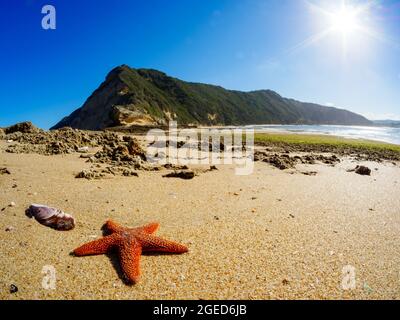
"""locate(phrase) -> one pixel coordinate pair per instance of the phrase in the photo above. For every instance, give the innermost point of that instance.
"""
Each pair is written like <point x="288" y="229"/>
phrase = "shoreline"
<point x="317" y="133"/>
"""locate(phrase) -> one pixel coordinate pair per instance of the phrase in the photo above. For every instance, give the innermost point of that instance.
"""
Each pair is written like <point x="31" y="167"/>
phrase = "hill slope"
<point x="149" y="97"/>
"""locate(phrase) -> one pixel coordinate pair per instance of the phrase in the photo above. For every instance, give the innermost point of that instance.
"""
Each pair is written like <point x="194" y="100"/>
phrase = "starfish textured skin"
<point x="130" y="243"/>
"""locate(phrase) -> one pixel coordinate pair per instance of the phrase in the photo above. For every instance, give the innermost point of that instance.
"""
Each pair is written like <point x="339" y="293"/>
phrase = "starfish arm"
<point x="98" y="246"/>
<point x="155" y="244"/>
<point x="129" y="254"/>
<point x="112" y="226"/>
<point x="149" y="228"/>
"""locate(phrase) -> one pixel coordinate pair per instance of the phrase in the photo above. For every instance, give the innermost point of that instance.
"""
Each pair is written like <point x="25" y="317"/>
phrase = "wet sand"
<point x="271" y="235"/>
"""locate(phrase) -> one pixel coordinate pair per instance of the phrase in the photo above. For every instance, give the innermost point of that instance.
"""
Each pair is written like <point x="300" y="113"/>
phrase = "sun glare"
<point x="349" y="21"/>
<point x="345" y="21"/>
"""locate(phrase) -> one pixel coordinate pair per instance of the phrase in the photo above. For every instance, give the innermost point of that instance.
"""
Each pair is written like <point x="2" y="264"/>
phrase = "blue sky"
<point x="238" y="44"/>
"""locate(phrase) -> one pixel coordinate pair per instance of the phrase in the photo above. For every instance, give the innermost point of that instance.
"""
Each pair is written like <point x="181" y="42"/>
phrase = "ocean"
<point x="384" y="134"/>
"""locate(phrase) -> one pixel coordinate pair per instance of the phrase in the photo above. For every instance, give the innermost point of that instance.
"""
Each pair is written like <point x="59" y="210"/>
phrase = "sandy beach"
<point x="275" y="234"/>
<point x="219" y="152"/>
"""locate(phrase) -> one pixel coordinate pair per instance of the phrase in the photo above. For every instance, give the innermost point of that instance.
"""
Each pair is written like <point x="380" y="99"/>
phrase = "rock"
<point x="2" y="133"/>
<point x="183" y="174"/>
<point x="362" y="170"/>
<point x="13" y="288"/>
<point x="171" y="166"/>
<point x="84" y="149"/>
<point x="180" y="144"/>
<point x="135" y="149"/>
<point x="130" y="173"/>
<point x="4" y="171"/>
<point x="86" y="156"/>
<point x="127" y="152"/>
<point x="23" y="127"/>
<point x="210" y="146"/>
<point x="12" y="204"/>
<point x="9" y="229"/>
<point x="285" y="282"/>
<point x="309" y="173"/>
<point x="89" y="175"/>
<point x="62" y="141"/>
<point x="284" y="161"/>
<point x="281" y="162"/>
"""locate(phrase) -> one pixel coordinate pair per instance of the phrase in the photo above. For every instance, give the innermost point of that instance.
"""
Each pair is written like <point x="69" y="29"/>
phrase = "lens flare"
<point x="345" y="21"/>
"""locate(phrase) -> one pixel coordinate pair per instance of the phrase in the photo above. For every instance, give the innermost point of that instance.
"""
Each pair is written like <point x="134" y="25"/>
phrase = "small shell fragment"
<point x="51" y="217"/>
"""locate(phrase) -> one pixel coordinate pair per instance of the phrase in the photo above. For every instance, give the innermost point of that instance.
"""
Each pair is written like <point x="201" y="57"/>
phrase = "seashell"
<point x="51" y="217"/>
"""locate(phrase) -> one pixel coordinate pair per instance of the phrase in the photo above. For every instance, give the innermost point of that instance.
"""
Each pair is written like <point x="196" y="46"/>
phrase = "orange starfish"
<point x="130" y="243"/>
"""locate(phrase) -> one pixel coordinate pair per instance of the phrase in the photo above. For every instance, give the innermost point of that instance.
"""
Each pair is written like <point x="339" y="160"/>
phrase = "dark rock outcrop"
<point x="182" y="174"/>
<point x="362" y="170"/>
<point x="23" y="127"/>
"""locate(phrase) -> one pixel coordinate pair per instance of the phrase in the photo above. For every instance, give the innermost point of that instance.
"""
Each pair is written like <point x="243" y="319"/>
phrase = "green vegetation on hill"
<point x="144" y="96"/>
<point x="325" y="143"/>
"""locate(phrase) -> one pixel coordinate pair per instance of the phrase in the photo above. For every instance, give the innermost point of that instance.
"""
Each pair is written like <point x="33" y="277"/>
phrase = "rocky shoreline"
<point x="113" y="153"/>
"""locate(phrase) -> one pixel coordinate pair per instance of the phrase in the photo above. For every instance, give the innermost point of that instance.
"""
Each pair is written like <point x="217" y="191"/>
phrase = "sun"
<point x="349" y="21"/>
<point x="345" y="21"/>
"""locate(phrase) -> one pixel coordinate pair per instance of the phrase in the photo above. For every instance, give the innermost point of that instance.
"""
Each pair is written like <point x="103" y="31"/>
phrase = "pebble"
<point x="9" y="229"/>
<point x="13" y="288"/>
<point x="12" y="204"/>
